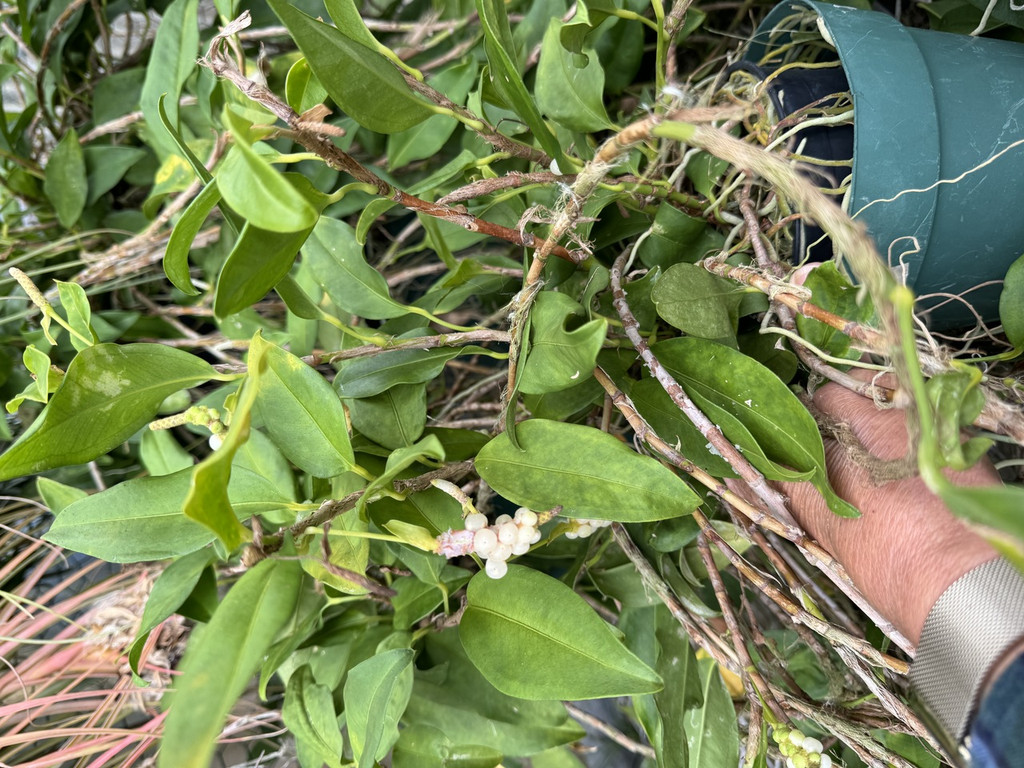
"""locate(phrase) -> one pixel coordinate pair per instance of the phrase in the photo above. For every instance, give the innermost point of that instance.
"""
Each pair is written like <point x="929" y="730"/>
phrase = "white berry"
<point x="475" y="521"/>
<point x="811" y="744"/>
<point x="485" y="541"/>
<point x="796" y="738"/>
<point x="496" y="568"/>
<point x="507" y="533"/>
<point x="502" y="519"/>
<point x="526" y="517"/>
<point x="520" y="548"/>
<point x="826" y="761"/>
<point x="216" y="441"/>
<point x="502" y="552"/>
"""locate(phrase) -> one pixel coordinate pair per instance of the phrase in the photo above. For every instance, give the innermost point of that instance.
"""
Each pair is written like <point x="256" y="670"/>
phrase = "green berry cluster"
<point x="800" y="751"/>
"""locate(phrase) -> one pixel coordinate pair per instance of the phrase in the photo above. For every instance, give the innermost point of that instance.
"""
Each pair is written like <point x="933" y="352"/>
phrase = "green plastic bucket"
<point x="928" y="108"/>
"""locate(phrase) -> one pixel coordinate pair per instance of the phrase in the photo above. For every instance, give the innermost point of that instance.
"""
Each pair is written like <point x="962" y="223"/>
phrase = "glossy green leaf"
<point x="45" y="380"/>
<point x="141" y="519"/>
<point x="308" y="713"/>
<point x="1011" y="304"/>
<point x="359" y="79"/>
<point x="65" y="181"/>
<point x="302" y="413"/>
<point x="588" y="16"/>
<point x="733" y="388"/>
<point x="427" y="451"/>
<point x="256" y="191"/>
<point x="506" y="78"/>
<point x="259" y="260"/>
<point x="302" y="89"/>
<point x="161" y="454"/>
<point x="372" y="375"/>
<point x="369" y="215"/>
<point x="56" y="496"/>
<point x="105" y="166"/>
<point x="956" y="401"/>
<point x="296" y="299"/>
<point x="462" y="704"/>
<point x="996" y="510"/>
<point x="221" y="660"/>
<point x="376" y="694"/>
<point x="171" y="62"/>
<point x="571" y="95"/>
<point x="347" y="554"/>
<point x="559" y="358"/>
<point x="831" y="290"/>
<point x="677" y="666"/>
<point x="185" y="230"/>
<point x="677" y="237"/>
<point x="588" y="472"/>
<point x="78" y="313"/>
<point x="108" y="393"/>
<point x="170" y="590"/>
<point x="711" y="728"/>
<point x="421" y="746"/>
<point x="336" y="260"/>
<point x="395" y="418"/>
<point x="533" y="637"/>
<point x="698" y="303"/>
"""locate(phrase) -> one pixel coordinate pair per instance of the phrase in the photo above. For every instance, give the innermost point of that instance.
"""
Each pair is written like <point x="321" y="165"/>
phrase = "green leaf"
<point x="698" y="303"/>
<point x="108" y="393"/>
<point x="956" y="401"/>
<point x="359" y="79"/>
<point x="732" y="389"/>
<point x="376" y="694"/>
<point x="45" y="380"/>
<point x="373" y="211"/>
<point x="170" y="590"/>
<point x="65" y="181"/>
<point x="161" y="454"/>
<point x="533" y="637"/>
<point x="677" y="237"/>
<point x="308" y="713"/>
<point x="588" y="472"/>
<point x="221" y="660"/>
<point x="711" y="729"/>
<point x="105" y="166"/>
<point x="56" y="496"/>
<point x="677" y="666"/>
<point x="1011" y="304"/>
<point x="256" y="191"/>
<point x="259" y="260"/>
<point x="429" y="449"/>
<point x="588" y="16"/>
<point x="421" y="746"/>
<point x="571" y="95"/>
<point x="208" y="501"/>
<point x="141" y="519"/>
<point x="302" y="89"/>
<point x="368" y="376"/>
<point x="78" y="313"/>
<point x="336" y="260"/>
<point x="302" y="413"/>
<point x="506" y="78"/>
<point x="394" y="418"/>
<point x="185" y="230"/>
<point x="559" y="358"/>
<point x="462" y="704"/>
<point x="831" y="290"/>
<point x="171" y="62"/>
<point x="996" y="510"/>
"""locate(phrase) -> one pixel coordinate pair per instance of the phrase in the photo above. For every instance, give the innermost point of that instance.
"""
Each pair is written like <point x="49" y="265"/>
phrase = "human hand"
<point x="906" y="547"/>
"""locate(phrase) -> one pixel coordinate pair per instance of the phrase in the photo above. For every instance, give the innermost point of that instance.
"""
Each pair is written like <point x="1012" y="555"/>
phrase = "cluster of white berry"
<point x="581" y="527"/>
<point x="506" y="537"/>
<point x="800" y="751"/>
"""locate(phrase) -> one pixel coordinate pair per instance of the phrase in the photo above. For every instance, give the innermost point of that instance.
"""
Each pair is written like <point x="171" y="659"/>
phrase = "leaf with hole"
<point x="586" y="471"/>
<point x="569" y="94"/>
<point x="533" y="637"/>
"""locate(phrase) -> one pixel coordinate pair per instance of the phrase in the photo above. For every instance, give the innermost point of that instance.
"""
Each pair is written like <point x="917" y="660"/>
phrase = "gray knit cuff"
<point x="968" y="629"/>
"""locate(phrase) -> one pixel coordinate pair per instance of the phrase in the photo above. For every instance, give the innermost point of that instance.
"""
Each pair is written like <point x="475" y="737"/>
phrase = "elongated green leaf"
<point x="338" y="265"/>
<point x="373" y="211"/>
<point x="108" y="393"/>
<point x="376" y="694"/>
<point x="161" y="454"/>
<point x="533" y="637"/>
<point x="677" y="665"/>
<point x="420" y="746"/>
<point x="346" y="18"/>
<point x="370" y="376"/>
<point x="719" y="377"/>
<point x="180" y="242"/>
<point x="309" y="714"/>
<point x="169" y="591"/>
<point x="588" y="16"/>
<point x="832" y="291"/>
<point x="262" y="195"/>
<point x="141" y="519"/>
<point x="56" y="496"/>
<point x="588" y="472"/>
<point x="65" y="182"/>
<point x="395" y="418"/>
<point x="559" y="358"/>
<point x="78" y="313"/>
<point x="208" y="501"/>
<point x="698" y="303"/>
<point x="45" y="380"/>
<point x="462" y="705"/>
<point x="427" y="450"/>
<point x="105" y="166"/>
<point x="571" y="95"/>
<point x="302" y="90"/>
<point x="259" y="260"/>
<point x="222" y="658"/>
<point x="171" y="62"/>
<point x="359" y="79"/>
<point x="996" y="509"/>
<point x="302" y="413"/>
<point x="711" y="728"/>
<point x="1011" y="304"/>
<point x="956" y="402"/>
<point x="506" y="77"/>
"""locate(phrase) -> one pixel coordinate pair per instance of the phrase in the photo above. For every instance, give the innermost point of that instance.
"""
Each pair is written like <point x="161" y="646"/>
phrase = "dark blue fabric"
<point x="997" y="734"/>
